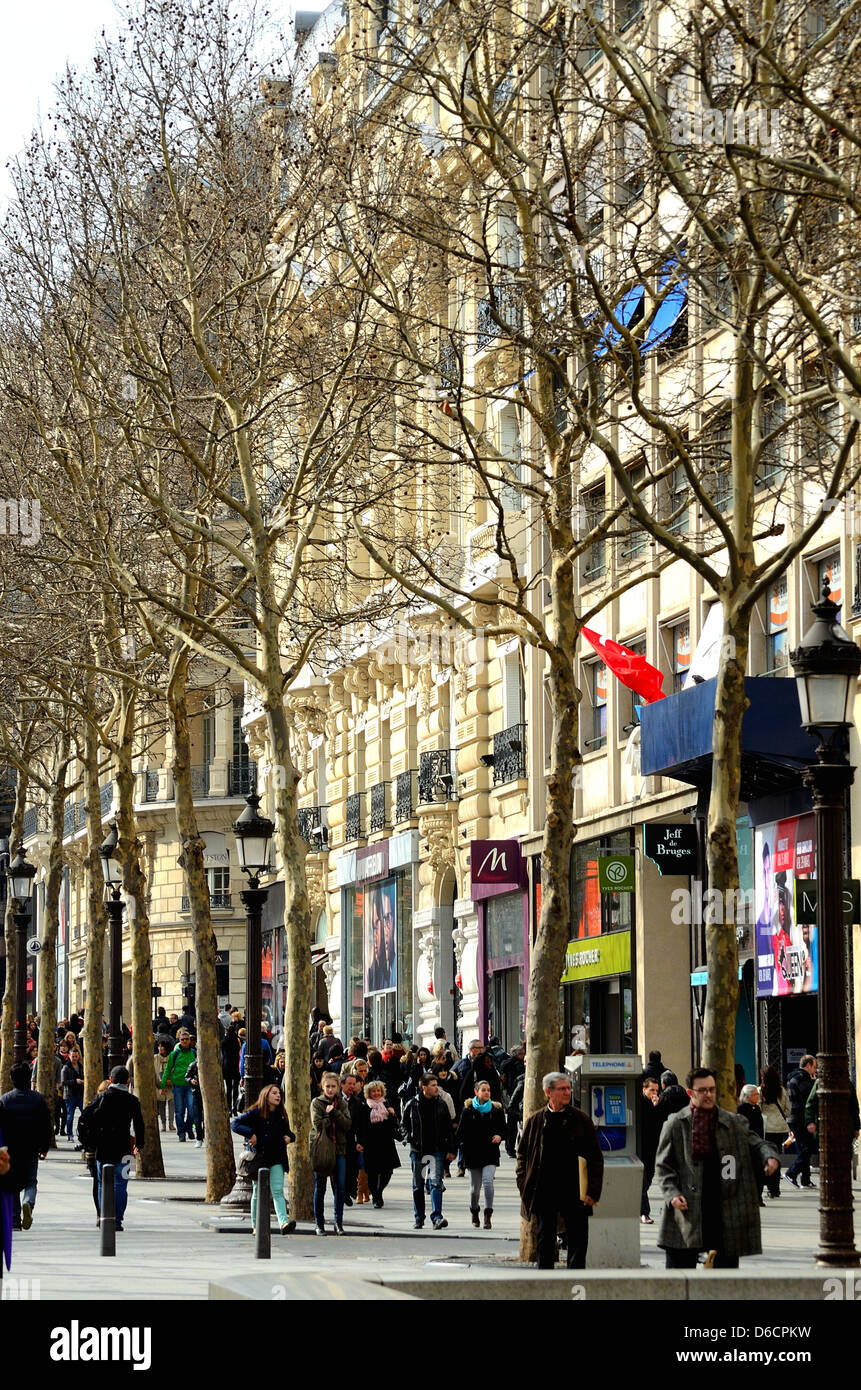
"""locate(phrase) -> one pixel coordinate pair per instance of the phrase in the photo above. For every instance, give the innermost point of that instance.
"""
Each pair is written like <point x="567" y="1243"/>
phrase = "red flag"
<point x="631" y="668"/>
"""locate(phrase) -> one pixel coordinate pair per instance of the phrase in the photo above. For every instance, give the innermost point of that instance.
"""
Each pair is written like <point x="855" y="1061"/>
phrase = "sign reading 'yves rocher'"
<point x="672" y="847"/>
<point x="494" y="861"/>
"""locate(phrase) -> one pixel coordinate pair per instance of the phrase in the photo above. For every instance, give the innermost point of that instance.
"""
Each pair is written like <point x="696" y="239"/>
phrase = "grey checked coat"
<point x="741" y="1152"/>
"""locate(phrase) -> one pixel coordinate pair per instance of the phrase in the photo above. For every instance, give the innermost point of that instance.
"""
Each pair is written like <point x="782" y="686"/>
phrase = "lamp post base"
<point x="239" y="1196"/>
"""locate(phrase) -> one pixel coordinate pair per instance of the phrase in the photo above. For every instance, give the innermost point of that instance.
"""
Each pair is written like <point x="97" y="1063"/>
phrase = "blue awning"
<point x="670" y="308"/>
<point x="626" y="312"/>
<point x="676" y="736"/>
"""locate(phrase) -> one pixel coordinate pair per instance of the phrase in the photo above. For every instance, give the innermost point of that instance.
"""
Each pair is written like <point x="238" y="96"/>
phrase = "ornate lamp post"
<point x="113" y="874"/>
<point x="827" y="666"/>
<point x="21" y="875"/>
<point x="253" y="835"/>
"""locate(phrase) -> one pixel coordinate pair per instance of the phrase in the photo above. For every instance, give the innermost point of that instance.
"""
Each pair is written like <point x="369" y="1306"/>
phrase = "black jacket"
<point x="799" y="1086"/>
<point x="73" y="1082"/>
<point x="475" y="1132"/>
<point x="412" y="1125"/>
<point x="27" y="1128"/>
<point x="753" y="1115"/>
<point x="270" y="1132"/>
<point x="672" y="1100"/>
<point x="115" y="1114"/>
<point x="480" y="1071"/>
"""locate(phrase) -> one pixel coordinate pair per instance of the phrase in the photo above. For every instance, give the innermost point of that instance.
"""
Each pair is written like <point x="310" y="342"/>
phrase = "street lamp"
<point x="113" y="876"/>
<point x="21" y="875"/>
<point x="253" y="836"/>
<point x="827" y="666"/>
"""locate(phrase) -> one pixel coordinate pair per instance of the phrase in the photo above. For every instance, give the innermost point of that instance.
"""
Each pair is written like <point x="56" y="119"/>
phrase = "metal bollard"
<point x="107" y="1223"/>
<point x="263" y="1235"/>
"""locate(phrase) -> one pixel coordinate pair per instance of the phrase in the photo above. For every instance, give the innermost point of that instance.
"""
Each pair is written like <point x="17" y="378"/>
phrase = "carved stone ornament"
<point x="315" y="878"/>
<point x="425" y="687"/>
<point x="329" y="972"/>
<point x="437" y="830"/>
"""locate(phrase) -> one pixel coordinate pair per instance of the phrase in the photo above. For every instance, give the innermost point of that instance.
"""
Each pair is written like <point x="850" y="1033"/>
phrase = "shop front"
<point x="499" y="888"/>
<point x="597" y="993"/>
<point x="378" y="890"/>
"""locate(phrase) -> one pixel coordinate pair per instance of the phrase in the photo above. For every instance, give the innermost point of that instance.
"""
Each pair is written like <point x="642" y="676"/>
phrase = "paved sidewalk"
<point x="170" y="1234"/>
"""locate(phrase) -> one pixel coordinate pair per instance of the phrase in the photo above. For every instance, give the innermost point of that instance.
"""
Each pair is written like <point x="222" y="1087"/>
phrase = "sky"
<point x="39" y="38"/>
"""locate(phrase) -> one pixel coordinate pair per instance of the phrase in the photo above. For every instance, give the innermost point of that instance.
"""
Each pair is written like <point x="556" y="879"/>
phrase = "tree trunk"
<point x="554" y="925"/>
<point x="722" y="850"/>
<point x="8" y="1024"/>
<point x="220" y="1164"/>
<point x="47" y="959"/>
<point x="150" y="1163"/>
<point x="93" y="1050"/>
<point x="297" y="923"/>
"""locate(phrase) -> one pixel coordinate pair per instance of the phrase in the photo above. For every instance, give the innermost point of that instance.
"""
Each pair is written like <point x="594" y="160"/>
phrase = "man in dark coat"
<point x="427" y="1126"/>
<point x="28" y="1130"/>
<point x="707" y="1167"/>
<point x="673" y="1097"/>
<point x="799" y="1085"/>
<point x="554" y="1140"/>
<point x="113" y="1117"/>
<point x="481" y="1069"/>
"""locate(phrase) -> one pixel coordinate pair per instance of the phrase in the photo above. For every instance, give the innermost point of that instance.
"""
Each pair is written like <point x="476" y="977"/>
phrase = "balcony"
<point x="353" y="826"/>
<point x="449" y="366"/>
<point x="106" y="798"/>
<point x="68" y="821"/>
<point x="405" y="800"/>
<point x="241" y="781"/>
<point x="218" y="902"/>
<point x="380" y="806"/>
<point x="150" y="786"/>
<point x="509" y="308"/>
<point x="509" y="755"/>
<point x="312" y="826"/>
<point x="30" y="823"/>
<point x="436" y="776"/>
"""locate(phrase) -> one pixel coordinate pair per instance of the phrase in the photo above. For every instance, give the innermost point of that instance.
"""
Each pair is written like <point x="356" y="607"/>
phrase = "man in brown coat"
<point x="554" y="1140"/>
<point x="706" y="1165"/>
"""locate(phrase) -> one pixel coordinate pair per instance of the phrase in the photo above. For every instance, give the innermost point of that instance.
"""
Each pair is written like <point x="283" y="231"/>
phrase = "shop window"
<point x="776" y="628"/>
<point x="827" y="571"/>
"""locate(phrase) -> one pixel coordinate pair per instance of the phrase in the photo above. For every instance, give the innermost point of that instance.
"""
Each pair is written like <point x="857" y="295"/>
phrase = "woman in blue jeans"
<point x="73" y="1090"/>
<point x="267" y="1129"/>
<point x="330" y="1115"/>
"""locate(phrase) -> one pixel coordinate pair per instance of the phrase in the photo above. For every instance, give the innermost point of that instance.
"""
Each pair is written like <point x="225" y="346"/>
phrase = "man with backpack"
<point x="105" y="1129"/>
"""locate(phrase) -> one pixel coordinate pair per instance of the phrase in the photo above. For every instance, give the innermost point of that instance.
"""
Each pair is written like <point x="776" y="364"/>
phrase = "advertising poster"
<point x="786" y="953"/>
<point x="380" y="914"/>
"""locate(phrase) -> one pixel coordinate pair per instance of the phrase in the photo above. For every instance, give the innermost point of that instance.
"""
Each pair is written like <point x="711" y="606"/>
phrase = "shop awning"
<point x="676" y="737"/>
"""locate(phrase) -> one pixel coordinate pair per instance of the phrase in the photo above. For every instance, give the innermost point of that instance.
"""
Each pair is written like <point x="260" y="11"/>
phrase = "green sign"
<point x="616" y="873"/>
<point x="807" y="900"/>
<point x="595" y="956"/>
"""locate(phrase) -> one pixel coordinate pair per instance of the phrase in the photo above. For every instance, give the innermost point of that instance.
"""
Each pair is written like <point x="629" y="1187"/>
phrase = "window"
<point x="827" y="571"/>
<point x="717" y="463"/>
<point x="680" y="637"/>
<point x="596" y="687"/>
<point x="547" y="710"/>
<point x="218" y="883"/>
<point x="509" y="447"/>
<point x="208" y="736"/>
<point x="821" y="433"/>
<point x="629" y="700"/>
<point x="634" y="541"/>
<point x="593" y="190"/>
<point x="590" y="49"/>
<point x="677" y="501"/>
<point x="628" y="12"/>
<point x="771" y="463"/>
<point x="593" y="561"/>
<point x="512" y="690"/>
<point x="776" y="633"/>
<point x="633" y="164"/>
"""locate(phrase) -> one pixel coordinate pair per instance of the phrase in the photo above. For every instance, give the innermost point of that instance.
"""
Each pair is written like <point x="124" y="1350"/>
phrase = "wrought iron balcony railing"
<point x="150" y="784"/>
<point x="405" y="801"/>
<point x="436" y="776"/>
<point x="241" y="778"/>
<point x="509" y="308"/>
<point x="30" y="823"/>
<point x="380" y="806"/>
<point x="312" y="826"/>
<point x="353" y="827"/>
<point x="106" y="798"/>
<point x="509" y="755"/>
<point x="218" y="902"/>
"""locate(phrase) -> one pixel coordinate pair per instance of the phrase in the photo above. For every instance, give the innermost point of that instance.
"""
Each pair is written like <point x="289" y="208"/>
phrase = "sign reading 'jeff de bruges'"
<point x="672" y="847"/>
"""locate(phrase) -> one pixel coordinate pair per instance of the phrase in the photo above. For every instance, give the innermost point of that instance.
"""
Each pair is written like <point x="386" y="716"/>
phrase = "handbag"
<point x="321" y="1145"/>
<point x="254" y="1163"/>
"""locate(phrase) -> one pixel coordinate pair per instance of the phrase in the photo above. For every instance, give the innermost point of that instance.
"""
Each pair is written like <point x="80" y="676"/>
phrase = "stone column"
<point x="465" y="936"/>
<point x="426" y="1012"/>
<point x="223" y="741"/>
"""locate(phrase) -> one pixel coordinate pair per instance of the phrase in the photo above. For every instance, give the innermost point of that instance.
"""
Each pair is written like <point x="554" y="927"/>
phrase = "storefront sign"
<point x="602" y="955"/>
<point x="372" y="862"/>
<point x="616" y="873"/>
<point x="495" y="861"/>
<point x="672" y="847"/>
<point x="215" y="851"/>
<point x="807" y="900"/>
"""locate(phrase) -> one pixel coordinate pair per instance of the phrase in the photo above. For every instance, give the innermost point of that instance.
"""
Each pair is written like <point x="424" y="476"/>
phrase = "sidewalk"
<point x="171" y="1234"/>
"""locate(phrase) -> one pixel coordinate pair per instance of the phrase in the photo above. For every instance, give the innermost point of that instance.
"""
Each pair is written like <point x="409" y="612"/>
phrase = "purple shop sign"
<point x="495" y="861"/>
<point x="372" y="861"/>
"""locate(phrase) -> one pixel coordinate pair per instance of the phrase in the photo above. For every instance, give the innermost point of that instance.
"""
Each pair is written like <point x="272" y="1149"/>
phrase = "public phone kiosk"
<point x="608" y="1089"/>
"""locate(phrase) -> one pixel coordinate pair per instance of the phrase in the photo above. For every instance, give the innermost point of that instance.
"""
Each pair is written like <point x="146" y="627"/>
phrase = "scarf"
<point x="378" y="1110"/>
<point x="703" y="1126"/>
<point x="483" y="1107"/>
